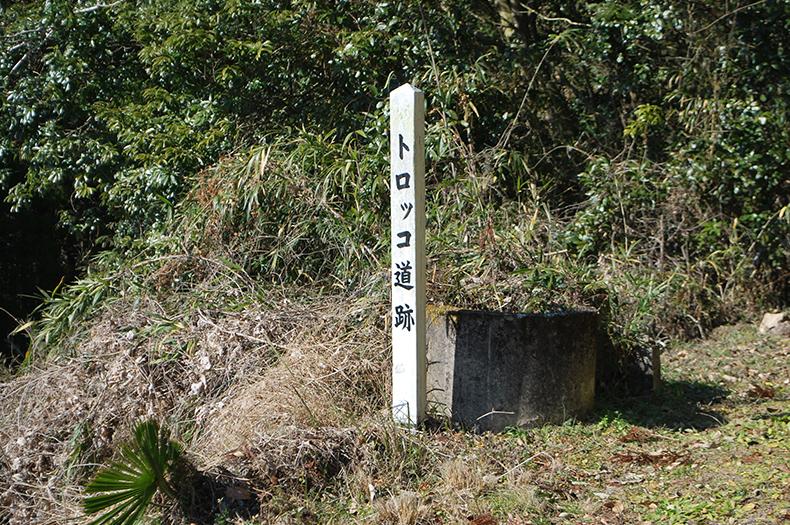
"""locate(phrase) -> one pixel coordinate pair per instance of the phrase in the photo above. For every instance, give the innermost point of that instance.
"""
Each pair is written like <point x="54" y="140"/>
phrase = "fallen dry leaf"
<point x="762" y="392"/>
<point x="482" y="519"/>
<point x="658" y="458"/>
<point x="752" y="458"/>
<point x="629" y="479"/>
<point x="638" y="435"/>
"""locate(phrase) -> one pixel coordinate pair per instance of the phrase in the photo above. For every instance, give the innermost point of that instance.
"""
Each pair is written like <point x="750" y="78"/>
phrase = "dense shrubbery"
<point x="623" y="154"/>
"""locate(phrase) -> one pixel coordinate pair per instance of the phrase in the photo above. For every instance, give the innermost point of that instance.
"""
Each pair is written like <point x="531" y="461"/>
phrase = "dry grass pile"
<point x="259" y="392"/>
<point x="331" y="373"/>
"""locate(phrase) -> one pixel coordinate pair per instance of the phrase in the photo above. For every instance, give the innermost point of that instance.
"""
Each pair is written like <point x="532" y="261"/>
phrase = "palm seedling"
<point x="124" y="490"/>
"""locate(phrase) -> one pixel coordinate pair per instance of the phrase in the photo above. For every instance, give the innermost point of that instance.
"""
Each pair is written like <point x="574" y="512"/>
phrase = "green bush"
<point x="578" y="152"/>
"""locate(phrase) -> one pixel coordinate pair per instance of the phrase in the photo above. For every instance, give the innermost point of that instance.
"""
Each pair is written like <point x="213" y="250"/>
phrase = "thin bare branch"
<point x="97" y="7"/>
<point x="725" y="15"/>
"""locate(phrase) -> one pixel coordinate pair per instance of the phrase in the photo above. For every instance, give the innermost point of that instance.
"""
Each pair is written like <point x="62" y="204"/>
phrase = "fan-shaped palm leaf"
<point x="125" y="488"/>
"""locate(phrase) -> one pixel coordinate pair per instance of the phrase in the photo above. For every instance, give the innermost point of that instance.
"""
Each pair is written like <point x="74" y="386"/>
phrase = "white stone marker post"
<point x="407" y="189"/>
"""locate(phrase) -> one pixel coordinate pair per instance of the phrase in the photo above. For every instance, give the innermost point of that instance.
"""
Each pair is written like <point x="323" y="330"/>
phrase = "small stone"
<point x="775" y="324"/>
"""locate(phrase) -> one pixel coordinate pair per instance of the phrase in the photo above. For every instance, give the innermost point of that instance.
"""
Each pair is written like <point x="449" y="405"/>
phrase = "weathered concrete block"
<point x="492" y="370"/>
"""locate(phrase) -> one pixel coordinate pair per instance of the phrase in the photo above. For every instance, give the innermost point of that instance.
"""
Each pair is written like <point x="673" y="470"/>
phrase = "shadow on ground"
<point x="678" y="405"/>
<point x="210" y="498"/>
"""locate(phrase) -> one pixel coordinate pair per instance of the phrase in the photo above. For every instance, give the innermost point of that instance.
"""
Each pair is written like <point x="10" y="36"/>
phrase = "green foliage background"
<point x="630" y="155"/>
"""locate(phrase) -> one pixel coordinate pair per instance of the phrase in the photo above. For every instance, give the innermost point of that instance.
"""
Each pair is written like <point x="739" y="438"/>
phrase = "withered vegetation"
<point x="282" y="408"/>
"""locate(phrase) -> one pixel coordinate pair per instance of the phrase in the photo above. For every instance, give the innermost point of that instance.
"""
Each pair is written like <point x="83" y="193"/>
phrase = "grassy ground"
<point x="281" y="408"/>
<point x="713" y="447"/>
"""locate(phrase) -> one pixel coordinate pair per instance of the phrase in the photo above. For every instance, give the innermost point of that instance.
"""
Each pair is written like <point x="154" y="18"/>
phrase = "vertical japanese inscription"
<point x="407" y="214"/>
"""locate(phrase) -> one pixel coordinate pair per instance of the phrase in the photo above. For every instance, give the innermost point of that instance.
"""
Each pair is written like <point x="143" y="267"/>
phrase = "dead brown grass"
<point x="265" y="392"/>
<point x="327" y="377"/>
<point x="402" y="509"/>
